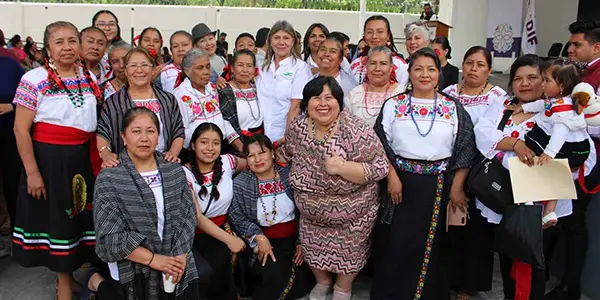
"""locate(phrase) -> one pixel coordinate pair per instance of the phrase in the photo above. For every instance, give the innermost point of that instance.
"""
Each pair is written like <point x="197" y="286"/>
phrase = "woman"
<point x="365" y="101"/>
<point x="263" y="212"/>
<point x="330" y="58"/>
<point x="93" y="47"/>
<point x="526" y="83"/>
<point x="58" y="105"/>
<point x="377" y="33"/>
<point x="441" y="47"/>
<point x="198" y="100"/>
<point x="144" y="218"/>
<point x="181" y="43"/>
<point x="210" y="175"/>
<point x="17" y="49"/>
<point x="239" y="99"/>
<point x="246" y="41"/>
<point x="109" y="24"/>
<point x="335" y="187"/>
<point x="139" y="92"/>
<point x="280" y="81"/>
<point x="35" y="55"/>
<point x="205" y="40"/>
<point x="315" y="35"/>
<point x="429" y="142"/>
<point x="476" y="94"/>
<point x="116" y="56"/>
<point x="151" y="40"/>
<point x="417" y="37"/>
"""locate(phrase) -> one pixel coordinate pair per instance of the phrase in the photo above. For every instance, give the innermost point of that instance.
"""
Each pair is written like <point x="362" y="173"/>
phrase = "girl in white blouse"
<point x="281" y="80"/>
<point x="198" y="99"/>
<point x="181" y="43"/>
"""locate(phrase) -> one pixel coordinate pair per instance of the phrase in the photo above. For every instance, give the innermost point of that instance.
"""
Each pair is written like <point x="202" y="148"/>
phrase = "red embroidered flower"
<point x="401" y="97"/>
<point x="210" y="107"/>
<point x="186" y="98"/>
<point x="152" y="52"/>
<point x="509" y="122"/>
<point x="548" y="113"/>
<point x="515" y="134"/>
<point x="529" y="124"/>
<point x="560" y="101"/>
<point x="423" y="111"/>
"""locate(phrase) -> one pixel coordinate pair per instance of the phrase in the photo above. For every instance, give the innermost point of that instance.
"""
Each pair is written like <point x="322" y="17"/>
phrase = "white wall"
<point x="469" y="22"/>
<point x="553" y="19"/>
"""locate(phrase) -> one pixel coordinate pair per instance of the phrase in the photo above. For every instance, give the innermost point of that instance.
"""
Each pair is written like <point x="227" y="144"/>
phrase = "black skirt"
<point x="575" y="152"/>
<point x="410" y="264"/>
<point x="213" y="261"/>
<point x="282" y="279"/>
<point x="57" y="232"/>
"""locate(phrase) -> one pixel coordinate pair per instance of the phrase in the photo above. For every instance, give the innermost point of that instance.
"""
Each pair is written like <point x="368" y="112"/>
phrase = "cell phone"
<point x="458" y="218"/>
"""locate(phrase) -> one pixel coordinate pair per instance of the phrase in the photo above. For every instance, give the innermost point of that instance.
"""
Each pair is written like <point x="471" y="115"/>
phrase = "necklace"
<point x="76" y="98"/>
<point x="462" y="87"/>
<point x="412" y="116"/>
<point x="273" y="212"/>
<point x="314" y="132"/>
<point x="237" y="86"/>
<point x="366" y="96"/>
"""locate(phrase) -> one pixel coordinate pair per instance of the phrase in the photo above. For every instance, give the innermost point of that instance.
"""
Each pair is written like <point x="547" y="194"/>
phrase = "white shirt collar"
<point x="210" y="88"/>
<point x="593" y="61"/>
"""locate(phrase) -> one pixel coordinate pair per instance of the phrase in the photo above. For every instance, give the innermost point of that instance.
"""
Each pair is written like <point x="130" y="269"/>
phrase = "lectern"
<point x="437" y="29"/>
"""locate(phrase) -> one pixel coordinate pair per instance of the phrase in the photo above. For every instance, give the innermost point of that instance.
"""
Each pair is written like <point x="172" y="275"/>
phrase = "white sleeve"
<point x="487" y="135"/>
<point x="303" y="76"/>
<point x="186" y="118"/>
<point x="557" y="139"/>
<point x="388" y="120"/>
<point x="402" y="74"/>
<point x="229" y="164"/>
<point x="534" y="107"/>
<point x="230" y="133"/>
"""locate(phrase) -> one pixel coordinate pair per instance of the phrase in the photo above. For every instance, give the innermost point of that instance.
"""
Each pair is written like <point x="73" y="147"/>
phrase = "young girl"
<point x="210" y="175"/>
<point x="561" y="133"/>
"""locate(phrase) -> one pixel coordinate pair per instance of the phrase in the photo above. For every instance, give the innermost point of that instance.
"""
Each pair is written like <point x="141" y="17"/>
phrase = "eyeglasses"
<point x="109" y="24"/>
<point x="136" y="66"/>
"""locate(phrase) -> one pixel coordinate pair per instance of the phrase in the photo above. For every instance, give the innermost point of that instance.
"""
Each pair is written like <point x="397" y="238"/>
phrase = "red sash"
<point x="218" y="220"/>
<point x="281" y="230"/>
<point x="63" y="135"/>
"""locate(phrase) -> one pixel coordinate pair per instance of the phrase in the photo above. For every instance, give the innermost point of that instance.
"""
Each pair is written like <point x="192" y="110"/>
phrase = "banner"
<point x="504" y="27"/>
<point x="529" y="42"/>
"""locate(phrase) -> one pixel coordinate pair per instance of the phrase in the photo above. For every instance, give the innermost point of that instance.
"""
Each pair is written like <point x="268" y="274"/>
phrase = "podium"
<point x="437" y="29"/>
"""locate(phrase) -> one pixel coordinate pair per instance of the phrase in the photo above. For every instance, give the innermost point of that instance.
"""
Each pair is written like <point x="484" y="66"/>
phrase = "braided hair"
<point x="55" y="82"/>
<point x="217" y="167"/>
<point x="96" y="90"/>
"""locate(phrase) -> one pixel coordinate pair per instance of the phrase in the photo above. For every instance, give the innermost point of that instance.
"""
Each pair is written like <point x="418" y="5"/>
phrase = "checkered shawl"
<point x="463" y="154"/>
<point x="125" y="218"/>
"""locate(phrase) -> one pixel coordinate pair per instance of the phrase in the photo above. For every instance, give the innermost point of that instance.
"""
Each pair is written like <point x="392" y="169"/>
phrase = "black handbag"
<point x="520" y="234"/>
<point x="489" y="181"/>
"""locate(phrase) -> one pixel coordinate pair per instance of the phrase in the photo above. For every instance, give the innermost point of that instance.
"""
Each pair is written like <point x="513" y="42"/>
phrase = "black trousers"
<point x="10" y="167"/>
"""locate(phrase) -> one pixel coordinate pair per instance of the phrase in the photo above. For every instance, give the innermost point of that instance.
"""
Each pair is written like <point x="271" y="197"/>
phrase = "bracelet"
<point x="151" y="259"/>
<point x="515" y="144"/>
<point x="104" y="148"/>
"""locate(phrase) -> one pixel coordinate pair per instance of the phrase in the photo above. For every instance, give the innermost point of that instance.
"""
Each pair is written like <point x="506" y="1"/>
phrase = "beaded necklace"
<point x="314" y="132"/>
<point x="237" y="86"/>
<point x="76" y="98"/>
<point x="366" y="96"/>
<point x="273" y="212"/>
<point x="412" y="116"/>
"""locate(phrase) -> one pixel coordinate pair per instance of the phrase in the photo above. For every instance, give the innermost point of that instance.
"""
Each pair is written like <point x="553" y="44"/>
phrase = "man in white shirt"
<point x="428" y="14"/>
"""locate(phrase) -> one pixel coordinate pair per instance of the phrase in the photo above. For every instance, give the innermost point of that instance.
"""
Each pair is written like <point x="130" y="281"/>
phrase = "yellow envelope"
<point x="552" y="181"/>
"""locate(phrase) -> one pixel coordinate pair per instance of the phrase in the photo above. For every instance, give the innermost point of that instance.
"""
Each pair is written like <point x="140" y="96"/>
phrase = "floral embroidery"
<point x="289" y="285"/>
<point x="530" y="124"/>
<point x="210" y="107"/>
<point x="444" y="109"/>
<point x="271" y="187"/>
<point x="422" y="168"/>
<point x="548" y="107"/>
<point x="560" y="101"/>
<point x="509" y="122"/>
<point x="515" y="134"/>
<point x="187" y="99"/>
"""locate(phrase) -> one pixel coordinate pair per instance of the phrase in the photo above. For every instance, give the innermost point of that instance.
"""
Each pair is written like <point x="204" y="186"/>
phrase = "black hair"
<point x="148" y="29"/>
<point x="315" y="88"/>
<point x="243" y="35"/>
<point x="2" y="41"/>
<point x="176" y="33"/>
<point x="217" y="167"/>
<point x="479" y="49"/>
<point x="590" y="30"/>
<point x="95" y="17"/>
<point x="427" y="4"/>
<point x="261" y="37"/>
<point x="528" y="60"/>
<point x="90" y="29"/>
<point x="237" y="54"/>
<point x="262" y="140"/>
<point x="132" y="113"/>
<point x="425" y="52"/>
<point x="442" y="40"/>
<point x="390" y="43"/>
<point x="565" y="72"/>
<point x="340" y="36"/>
<point x="27" y="49"/>
<point x="15" y="39"/>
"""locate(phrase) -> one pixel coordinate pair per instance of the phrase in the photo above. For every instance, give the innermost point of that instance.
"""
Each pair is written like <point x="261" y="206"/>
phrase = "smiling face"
<point x="476" y="69"/>
<point x="424" y="75"/>
<point x="260" y="158"/>
<point x="139" y="70"/>
<point x="376" y="33"/>
<point x="379" y="68"/>
<point x="282" y="43"/>
<point x="323" y="109"/>
<point x="93" y="45"/>
<point x="208" y="44"/>
<point x="107" y="23"/>
<point x="151" y="40"/>
<point x="63" y="46"/>
<point x="415" y="42"/>
<point x="245" y="43"/>
<point x="316" y="37"/>
<point x="117" y="63"/>
<point x="141" y="137"/>
<point x="207" y="147"/>
<point x="527" y="84"/>
<point x="243" y="68"/>
<point x="330" y="55"/>
<point x="180" y="45"/>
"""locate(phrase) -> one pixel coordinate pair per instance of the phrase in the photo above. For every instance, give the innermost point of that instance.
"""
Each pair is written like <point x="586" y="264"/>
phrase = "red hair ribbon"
<point x="227" y="71"/>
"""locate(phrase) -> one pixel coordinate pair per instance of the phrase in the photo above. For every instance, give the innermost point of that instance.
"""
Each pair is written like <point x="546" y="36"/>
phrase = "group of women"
<point x="269" y="181"/>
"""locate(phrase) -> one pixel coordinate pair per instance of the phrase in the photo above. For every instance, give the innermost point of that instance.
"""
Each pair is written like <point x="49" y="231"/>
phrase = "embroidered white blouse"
<point x="477" y="105"/>
<point x="368" y="107"/>
<point x="272" y="195"/>
<point x="197" y="108"/>
<point x="420" y="130"/>
<point x="248" y="108"/>
<point x="359" y="70"/>
<point x="168" y="77"/>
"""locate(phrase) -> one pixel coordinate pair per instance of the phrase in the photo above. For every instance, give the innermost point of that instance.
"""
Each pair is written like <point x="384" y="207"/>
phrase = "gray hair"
<point x="118" y="45"/>
<point x="383" y="49"/>
<point x="416" y="28"/>
<point x="190" y="57"/>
